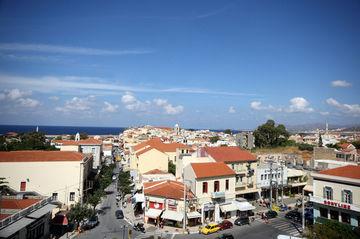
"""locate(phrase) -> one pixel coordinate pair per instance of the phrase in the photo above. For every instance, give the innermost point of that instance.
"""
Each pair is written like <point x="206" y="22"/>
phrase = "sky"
<point x="202" y="64"/>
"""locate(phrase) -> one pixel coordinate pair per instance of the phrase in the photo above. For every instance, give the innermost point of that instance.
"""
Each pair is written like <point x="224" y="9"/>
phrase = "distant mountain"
<point x="314" y="126"/>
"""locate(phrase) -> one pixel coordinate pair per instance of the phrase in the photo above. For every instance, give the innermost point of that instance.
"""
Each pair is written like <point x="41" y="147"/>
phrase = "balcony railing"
<point x="6" y="221"/>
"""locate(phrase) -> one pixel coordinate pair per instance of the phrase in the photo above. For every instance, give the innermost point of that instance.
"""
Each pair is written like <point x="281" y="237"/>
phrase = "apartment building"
<point x="244" y="165"/>
<point x="86" y="146"/>
<point x="62" y="175"/>
<point x="337" y="195"/>
<point x="214" y="187"/>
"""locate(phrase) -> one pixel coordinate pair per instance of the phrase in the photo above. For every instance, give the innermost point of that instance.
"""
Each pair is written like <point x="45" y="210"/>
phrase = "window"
<point x="347" y="196"/>
<point x="72" y="196"/>
<point x="233" y="166"/>
<point x="334" y="215"/>
<point x="328" y="193"/>
<point x="323" y="212"/>
<point x="55" y="196"/>
<point x="227" y="184"/>
<point x="262" y="177"/>
<point x="92" y="150"/>
<point x="23" y="186"/>
<point x="205" y="187"/>
<point x="216" y="186"/>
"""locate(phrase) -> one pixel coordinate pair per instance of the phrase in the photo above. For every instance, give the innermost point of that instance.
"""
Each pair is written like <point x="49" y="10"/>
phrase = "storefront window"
<point x="345" y="217"/>
<point x="323" y="212"/>
<point x="334" y="215"/>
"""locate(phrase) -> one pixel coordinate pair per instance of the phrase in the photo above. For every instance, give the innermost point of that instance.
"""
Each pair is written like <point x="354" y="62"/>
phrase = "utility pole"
<point x="277" y="185"/>
<point x="282" y="182"/>
<point x="271" y="163"/>
<point x="184" y="220"/>
<point x="303" y="211"/>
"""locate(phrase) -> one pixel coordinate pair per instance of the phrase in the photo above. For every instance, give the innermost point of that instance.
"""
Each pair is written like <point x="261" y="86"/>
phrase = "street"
<point x="109" y="227"/>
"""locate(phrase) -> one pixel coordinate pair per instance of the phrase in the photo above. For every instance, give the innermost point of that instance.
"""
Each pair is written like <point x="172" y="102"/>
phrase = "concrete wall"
<point x="95" y="150"/>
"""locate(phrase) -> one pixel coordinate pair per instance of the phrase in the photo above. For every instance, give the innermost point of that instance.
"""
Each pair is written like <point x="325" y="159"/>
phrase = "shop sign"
<point x="336" y="204"/>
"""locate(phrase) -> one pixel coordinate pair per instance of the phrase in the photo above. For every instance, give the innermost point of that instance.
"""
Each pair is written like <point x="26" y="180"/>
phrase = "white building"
<point x="263" y="177"/>
<point x="337" y="195"/>
<point x="58" y="174"/>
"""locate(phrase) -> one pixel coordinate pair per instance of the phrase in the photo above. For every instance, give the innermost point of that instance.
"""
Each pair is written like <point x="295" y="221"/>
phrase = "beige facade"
<point x="149" y="160"/>
<point x="64" y="179"/>
<point x="245" y="177"/>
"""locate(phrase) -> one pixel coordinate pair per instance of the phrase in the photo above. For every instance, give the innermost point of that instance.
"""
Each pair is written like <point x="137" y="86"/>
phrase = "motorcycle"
<point x="139" y="227"/>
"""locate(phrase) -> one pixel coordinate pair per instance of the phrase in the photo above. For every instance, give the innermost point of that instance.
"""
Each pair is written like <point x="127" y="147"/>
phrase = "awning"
<point x="173" y="215"/>
<point x="15" y="227"/>
<point x="194" y="214"/>
<point x="138" y="198"/>
<point x="60" y="220"/>
<point x="153" y="213"/>
<point x="228" y="207"/>
<point x="244" y="206"/>
<point x="42" y="211"/>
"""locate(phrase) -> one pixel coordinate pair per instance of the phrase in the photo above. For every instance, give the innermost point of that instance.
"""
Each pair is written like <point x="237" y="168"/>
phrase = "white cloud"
<point x="110" y="108"/>
<point x="19" y="98"/>
<point x="169" y="108"/>
<point x="56" y="49"/>
<point x="340" y="83"/>
<point x="232" y="110"/>
<point x="133" y="104"/>
<point x="54" y="98"/>
<point x="299" y="104"/>
<point x="346" y="108"/>
<point x="257" y="105"/>
<point x="324" y="113"/>
<point x="28" y="102"/>
<point x="75" y="84"/>
<point x="77" y="104"/>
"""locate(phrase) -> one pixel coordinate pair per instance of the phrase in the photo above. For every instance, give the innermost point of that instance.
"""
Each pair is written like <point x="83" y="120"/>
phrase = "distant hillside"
<point x="314" y="126"/>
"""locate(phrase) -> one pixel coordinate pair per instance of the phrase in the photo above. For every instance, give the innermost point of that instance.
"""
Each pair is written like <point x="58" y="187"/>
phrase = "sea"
<point x="58" y="130"/>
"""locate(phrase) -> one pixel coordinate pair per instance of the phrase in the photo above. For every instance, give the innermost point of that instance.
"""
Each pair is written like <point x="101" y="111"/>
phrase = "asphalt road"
<point x="109" y="227"/>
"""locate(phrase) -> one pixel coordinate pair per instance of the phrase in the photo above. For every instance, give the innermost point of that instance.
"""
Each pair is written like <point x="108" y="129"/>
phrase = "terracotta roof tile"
<point x="17" y="203"/>
<point x="166" y="189"/>
<point x="350" y="171"/>
<point x="40" y="156"/>
<point x="229" y="154"/>
<point x="89" y="141"/>
<point x="156" y="171"/>
<point x="159" y="145"/>
<point x="213" y="169"/>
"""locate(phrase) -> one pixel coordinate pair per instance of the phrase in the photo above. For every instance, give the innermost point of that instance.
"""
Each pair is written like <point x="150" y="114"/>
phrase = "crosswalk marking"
<point x="285" y="226"/>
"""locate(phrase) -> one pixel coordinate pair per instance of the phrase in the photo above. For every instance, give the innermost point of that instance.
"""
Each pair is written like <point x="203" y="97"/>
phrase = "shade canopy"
<point x="172" y="215"/>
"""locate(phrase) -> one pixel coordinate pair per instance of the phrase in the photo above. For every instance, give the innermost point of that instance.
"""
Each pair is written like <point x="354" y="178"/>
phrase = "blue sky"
<point x="203" y="64"/>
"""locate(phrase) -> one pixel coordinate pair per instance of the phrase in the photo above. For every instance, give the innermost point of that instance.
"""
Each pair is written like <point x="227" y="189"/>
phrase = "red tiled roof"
<point x="17" y="203"/>
<point x="166" y="189"/>
<point x="143" y="151"/>
<point x="159" y="145"/>
<point x="3" y="216"/>
<point x="350" y="171"/>
<point x="213" y="169"/>
<point x="156" y="171"/>
<point x="344" y="145"/>
<point x="229" y="154"/>
<point x="40" y="156"/>
<point x="89" y="141"/>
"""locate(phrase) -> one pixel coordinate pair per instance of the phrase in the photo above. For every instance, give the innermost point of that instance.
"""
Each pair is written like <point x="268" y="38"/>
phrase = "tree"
<point x="79" y="212"/>
<point x="331" y="229"/>
<point x="171" y="167"/>
<point x="304" y="147"/>
<point x="228" y="131"/>
<point x="334" y="146"/>
<point x="84" y="136"/>
<point x="27" y="141"/>
<point x="356" y="144"/>
<point x="95" y="198"/>
<point x="320" y="141"/>
<point x="269" y="135"/>
<point x="214" y="139"/>
<point x="124" y="182"/>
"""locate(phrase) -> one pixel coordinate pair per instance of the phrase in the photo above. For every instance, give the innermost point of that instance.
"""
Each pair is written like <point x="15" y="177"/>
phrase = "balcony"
<point x="240" y="184"/>
<point x="218" y="195"/>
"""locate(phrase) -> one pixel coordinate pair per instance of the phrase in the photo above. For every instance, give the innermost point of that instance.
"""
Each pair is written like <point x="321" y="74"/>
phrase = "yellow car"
<point x="210" y="228"/>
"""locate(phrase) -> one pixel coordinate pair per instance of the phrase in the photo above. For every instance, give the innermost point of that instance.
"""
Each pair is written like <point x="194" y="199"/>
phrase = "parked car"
<point x="119" y="214"/>
<point x="225" y="236"/>
<point x="91" y="223"/>
<point x="294" y="215"/>
<point x="211" y="228"/>
<point x="225" y="225"/>
<point x="271" y="214"/>
<point x="242" y="221"/>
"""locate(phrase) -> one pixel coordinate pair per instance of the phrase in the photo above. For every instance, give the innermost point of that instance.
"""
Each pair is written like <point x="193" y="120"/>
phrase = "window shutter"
<point x="324" y="192"/>
<point x="343" y="196"/>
